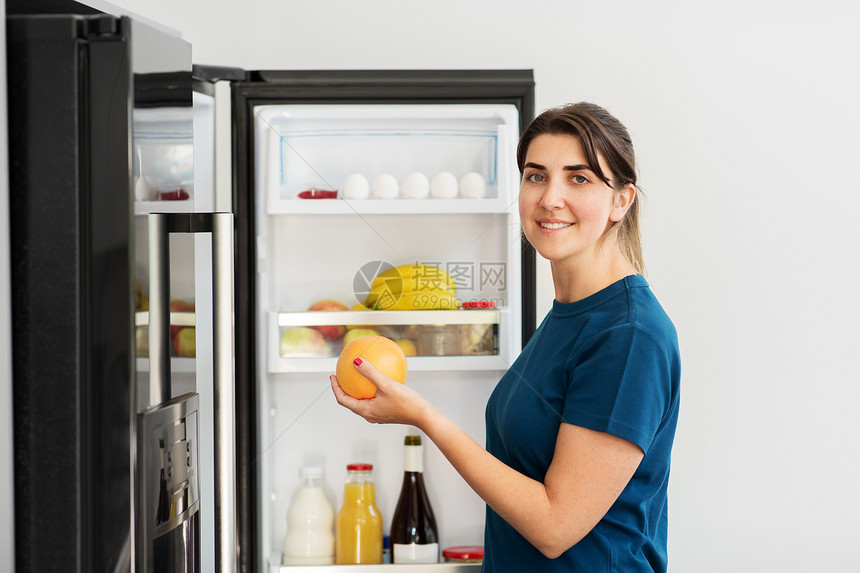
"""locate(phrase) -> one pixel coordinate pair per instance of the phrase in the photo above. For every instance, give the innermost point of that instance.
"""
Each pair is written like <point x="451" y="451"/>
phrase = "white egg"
<point x="443" y="185"/>
<point x="385" y="186"/>
<point x="415" y="186"/>
<point x="473" y="186"/>
<point x="356" y="186"/>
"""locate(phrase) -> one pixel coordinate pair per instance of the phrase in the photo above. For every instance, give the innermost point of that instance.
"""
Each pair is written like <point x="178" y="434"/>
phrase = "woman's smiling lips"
<point x="550" y="225"/>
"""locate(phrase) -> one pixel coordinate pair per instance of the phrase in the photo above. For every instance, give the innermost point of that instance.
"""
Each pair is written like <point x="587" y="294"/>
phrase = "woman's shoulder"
<point x="645" y="312"/>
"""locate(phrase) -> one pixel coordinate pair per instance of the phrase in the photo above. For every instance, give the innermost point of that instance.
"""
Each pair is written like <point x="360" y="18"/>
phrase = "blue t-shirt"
<point x="609" y="362"/>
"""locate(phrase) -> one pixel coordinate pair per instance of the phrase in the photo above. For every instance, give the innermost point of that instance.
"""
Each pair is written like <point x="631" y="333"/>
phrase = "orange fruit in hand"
<point x="382" y="352"/>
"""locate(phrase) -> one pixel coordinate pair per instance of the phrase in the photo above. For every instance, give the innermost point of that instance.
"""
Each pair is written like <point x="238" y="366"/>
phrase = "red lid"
<point x="478" y="304"/>
<point x="464" y="552"/>
<point x="318" y="194"/>
<point x="359" y="467"/>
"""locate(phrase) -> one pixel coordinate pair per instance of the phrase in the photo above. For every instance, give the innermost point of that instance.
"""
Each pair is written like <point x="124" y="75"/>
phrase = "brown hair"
<point x="601" y="133"/>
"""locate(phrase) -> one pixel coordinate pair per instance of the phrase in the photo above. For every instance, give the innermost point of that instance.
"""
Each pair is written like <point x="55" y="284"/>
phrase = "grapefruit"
<point x="382" y="352"/>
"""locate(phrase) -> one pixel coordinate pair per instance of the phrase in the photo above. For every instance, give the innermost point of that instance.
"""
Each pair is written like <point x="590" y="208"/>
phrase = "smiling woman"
<point x="580" y="428"/>
<point x="595" y="143"/>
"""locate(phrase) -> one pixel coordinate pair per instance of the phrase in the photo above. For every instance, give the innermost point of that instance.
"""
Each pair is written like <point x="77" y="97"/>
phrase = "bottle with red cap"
<point x="358" y="533"/>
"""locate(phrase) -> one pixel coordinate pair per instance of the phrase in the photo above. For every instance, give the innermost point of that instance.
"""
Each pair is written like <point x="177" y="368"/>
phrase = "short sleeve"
<point x="620" y="383"/>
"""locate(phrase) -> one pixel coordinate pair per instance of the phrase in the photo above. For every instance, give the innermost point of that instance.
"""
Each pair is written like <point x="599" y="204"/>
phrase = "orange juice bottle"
<point x="358" y="533"/>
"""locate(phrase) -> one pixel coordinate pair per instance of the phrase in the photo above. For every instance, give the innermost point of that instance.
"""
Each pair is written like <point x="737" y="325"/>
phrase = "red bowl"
<point x="318" y="194"/>
<point x="174" y="195"/>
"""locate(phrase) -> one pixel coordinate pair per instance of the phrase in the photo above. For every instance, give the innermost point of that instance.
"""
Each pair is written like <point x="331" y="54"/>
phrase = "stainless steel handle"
<point x="220" y="225"/>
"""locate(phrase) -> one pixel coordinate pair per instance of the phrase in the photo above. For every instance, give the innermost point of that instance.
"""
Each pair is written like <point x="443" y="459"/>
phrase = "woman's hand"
<point x="394" y="403"/>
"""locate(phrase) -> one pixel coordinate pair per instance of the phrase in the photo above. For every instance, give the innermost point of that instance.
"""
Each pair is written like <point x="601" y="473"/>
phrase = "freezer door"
<point x="69" y="87"/>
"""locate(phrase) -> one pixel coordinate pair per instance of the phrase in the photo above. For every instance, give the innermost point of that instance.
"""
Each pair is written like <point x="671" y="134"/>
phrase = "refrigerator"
<point x="112" y="154"/>
<point x="124" y="455"/>
<point x="329" y="188"/>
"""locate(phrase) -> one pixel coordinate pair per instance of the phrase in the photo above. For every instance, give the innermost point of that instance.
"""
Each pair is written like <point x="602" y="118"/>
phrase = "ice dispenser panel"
<point x="168" y="516"/>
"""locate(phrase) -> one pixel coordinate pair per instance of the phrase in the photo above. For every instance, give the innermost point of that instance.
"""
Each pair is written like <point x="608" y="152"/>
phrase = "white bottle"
<point x="310" y="523"/>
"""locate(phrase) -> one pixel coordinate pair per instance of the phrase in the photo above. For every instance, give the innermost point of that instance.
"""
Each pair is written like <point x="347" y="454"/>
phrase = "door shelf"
<point x="147" y="207"/>
<point x="177" y="365"/>
<point x="387" y="206"/>
<point x="141" y="318"/>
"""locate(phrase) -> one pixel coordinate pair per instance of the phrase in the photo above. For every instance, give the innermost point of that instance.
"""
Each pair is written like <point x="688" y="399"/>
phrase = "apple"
<point x="185" y="343"/>
<point x="178" y="305"/>
<point x="302" y="340"/>
<point x="358" y="333"/>
<point x="330" y="331"/>
<point x="407" y="346"/>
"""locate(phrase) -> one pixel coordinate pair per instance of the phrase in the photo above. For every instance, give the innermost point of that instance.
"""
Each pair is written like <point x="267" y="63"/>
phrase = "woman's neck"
<point x="576" y="280"/>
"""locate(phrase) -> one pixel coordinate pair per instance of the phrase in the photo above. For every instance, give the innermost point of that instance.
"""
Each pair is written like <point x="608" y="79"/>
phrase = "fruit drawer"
<point x="431" y="340"/>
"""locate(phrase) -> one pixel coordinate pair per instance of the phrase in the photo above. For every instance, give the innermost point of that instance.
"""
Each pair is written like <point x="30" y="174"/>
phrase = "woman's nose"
<point x="552" y="198"/>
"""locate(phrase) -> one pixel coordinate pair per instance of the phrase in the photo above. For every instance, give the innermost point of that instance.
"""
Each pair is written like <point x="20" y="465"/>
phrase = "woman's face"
<point x="564" y="206"/>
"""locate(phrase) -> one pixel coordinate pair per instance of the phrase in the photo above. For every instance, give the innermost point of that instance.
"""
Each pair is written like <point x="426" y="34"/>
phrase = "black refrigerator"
<point x="81" y="193"/>
<point x="115" y="461"/>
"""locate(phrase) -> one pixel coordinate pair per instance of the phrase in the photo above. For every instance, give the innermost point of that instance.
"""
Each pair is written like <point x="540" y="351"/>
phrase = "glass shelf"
<point x="387" y="206"/>
<point x="276" y="567"/>
<point x="388" y="317"/>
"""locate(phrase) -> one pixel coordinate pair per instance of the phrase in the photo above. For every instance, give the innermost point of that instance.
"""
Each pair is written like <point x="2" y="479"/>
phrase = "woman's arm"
<point x="588" y="471"/>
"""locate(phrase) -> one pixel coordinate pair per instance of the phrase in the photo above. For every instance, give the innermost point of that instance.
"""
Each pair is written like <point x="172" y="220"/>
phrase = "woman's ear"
<point x="621" y="202"/>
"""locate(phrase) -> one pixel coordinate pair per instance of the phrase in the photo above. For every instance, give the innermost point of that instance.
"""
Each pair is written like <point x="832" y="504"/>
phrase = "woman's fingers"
<point x="371" y="373"/>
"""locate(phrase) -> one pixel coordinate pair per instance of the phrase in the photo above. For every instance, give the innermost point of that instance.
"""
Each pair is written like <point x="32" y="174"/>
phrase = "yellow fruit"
<point x="384" y="292"/>
<point x="414" y="274"/>
<point x="382" y="352"/>
<point x="434" y="300"/>
<point x="358" y="333"/>
<point x="407" y="346"/>
<point x="359" y="306"/>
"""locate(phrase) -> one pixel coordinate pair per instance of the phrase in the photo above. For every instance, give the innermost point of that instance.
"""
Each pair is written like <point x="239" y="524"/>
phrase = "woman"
<point x="580" y="428"/>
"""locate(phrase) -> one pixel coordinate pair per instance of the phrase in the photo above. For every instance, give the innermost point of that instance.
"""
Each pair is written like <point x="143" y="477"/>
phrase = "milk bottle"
<point x="310" y="523"/>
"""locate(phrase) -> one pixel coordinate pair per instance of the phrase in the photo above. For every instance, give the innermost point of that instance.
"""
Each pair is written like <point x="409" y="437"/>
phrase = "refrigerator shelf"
<point x="387" y="206"/>
<point x="388" y="317"/>
<point x="414" y="364"/>
<point x="276" y="567"/>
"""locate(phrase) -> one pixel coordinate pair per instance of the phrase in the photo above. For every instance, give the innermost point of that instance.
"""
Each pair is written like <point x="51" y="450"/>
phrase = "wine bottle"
<point x="414" y="536"/>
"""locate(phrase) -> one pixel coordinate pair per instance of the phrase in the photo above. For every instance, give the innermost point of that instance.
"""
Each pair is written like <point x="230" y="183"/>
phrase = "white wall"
<point x="745" y="116"/>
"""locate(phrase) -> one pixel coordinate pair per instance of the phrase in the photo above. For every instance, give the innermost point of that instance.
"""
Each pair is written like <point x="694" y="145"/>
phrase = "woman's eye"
<point x="580" y="179"/>
<point x="534" y="178"/>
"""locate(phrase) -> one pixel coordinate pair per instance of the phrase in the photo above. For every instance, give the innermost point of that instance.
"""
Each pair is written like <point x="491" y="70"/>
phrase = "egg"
<point x="356" y="186"/>
<point x="385" y="186"/>
<point x="415" y="186"/>
<point x="473" y="186"/>
<point x="444" y="185"/>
